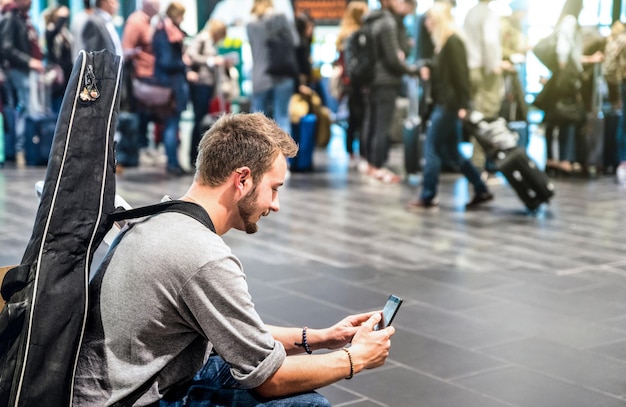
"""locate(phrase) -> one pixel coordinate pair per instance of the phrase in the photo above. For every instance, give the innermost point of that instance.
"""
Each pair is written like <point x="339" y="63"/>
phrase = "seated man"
<point x="170" y="296"/>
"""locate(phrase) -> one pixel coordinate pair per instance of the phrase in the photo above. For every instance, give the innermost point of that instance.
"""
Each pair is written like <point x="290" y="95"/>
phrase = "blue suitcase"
<point x="304" y="134"/>
<point x="38" y="136"/>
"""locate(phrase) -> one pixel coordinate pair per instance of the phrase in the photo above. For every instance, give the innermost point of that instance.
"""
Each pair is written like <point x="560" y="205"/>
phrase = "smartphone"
<point x="389" y="312"/>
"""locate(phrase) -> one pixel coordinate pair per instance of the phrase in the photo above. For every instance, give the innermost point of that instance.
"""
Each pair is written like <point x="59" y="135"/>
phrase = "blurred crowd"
<point x="449" y="70"/>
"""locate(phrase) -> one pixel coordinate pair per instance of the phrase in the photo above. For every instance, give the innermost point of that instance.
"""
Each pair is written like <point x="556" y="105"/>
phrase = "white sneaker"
<point x="620" y="174"/>
<point x="363" y="167"/>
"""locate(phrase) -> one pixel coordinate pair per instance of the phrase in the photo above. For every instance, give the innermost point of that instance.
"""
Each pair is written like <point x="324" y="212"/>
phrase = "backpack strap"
<point x="190" y="209"/>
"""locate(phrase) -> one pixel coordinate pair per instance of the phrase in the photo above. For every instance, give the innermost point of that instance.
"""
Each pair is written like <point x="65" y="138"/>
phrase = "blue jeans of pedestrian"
<point x="170" y="140"/>
<point x="279" y="95"/>
<point x="214" y="386"/>
<point x="439" y="148"/>
<point x="621" y="132"/>
<point x="21" y="86"/>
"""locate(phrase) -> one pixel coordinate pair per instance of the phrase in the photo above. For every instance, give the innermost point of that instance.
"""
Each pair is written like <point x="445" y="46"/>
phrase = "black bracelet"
<point x="304" y="343"/>
<point x="351" y="365"/>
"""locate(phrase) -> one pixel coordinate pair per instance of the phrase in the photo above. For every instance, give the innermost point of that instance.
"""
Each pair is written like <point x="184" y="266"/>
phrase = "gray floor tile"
<point x="524" y="388"/>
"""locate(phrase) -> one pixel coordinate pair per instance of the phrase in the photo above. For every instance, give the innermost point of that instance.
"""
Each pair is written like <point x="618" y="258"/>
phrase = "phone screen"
<point x="389" y="311"/>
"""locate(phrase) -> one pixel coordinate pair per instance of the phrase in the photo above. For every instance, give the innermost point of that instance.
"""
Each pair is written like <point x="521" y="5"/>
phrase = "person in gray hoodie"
<point x="390" y="67"/>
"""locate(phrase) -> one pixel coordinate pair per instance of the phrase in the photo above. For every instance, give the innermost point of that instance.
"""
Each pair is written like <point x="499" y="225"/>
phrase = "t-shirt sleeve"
<point x="217" y="301"/>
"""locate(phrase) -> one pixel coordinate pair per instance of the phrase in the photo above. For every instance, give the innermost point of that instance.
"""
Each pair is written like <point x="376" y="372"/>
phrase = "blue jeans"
<point x="214" y="386"/>
<point x="21" y="86"/>
<point x="170" y="140"/>
<point x="621" y="133"/>
<point x="439" y="148"/>
<point x="279" y="95"/>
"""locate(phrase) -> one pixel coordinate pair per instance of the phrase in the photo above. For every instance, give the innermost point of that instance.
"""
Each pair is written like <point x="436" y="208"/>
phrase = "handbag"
<point x="151" y="95"/>
<point x="545" y="51"/>
<point x="281" y="49"/>
<point x="569" y="111"/>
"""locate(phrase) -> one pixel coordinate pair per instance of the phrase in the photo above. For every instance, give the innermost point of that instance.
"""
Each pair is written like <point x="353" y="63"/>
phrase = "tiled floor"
<point x="502" y="308"/>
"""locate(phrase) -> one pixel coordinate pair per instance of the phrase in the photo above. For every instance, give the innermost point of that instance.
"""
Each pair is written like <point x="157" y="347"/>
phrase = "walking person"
<point x="170" y="70"/>
<point x="137" y="45"/>
<point x="353" y="91"/>
<point x="271" y="93"/>
<point x="484" y="52"/>
<point x="206" y="68"/>
<point x="19" y="47"/>
<point x="390" y="66"/>
<point x="451" y="98"/>
<point x="59" y="42"/>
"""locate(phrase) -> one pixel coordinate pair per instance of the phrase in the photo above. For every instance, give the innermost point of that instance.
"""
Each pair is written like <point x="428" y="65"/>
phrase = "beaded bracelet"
<point x="304" y="343"/>
<point x="351" y="365"/>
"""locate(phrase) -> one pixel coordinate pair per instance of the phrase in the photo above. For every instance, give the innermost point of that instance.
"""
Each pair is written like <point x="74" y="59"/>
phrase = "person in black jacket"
<point x="20" y="49"/>
<point x="390" y="67"/>
<point x="59" y="42"/>
<point x="451" y="97"/>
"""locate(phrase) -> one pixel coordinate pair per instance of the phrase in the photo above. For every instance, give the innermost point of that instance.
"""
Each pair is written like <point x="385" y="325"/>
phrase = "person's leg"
<point x="621" y="134"/>
<point x="200" y="98"/>
<point x="19" y="81"/>
<point x="259" y="101"/>
<point x="567" y="147"/>
<point x="369" y="121"/>
<point x="380" y="142"/>
<point x="213" y="385"/>
<point x="170" y="140"/>
<point x="432" y="146"/>
<point x="282" y="94"/>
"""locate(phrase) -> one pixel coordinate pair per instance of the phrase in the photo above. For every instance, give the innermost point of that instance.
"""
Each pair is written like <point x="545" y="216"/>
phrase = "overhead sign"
<point x="322" y="11"/>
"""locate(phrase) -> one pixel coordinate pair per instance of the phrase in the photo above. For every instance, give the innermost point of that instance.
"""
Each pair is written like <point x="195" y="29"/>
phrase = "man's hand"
<point x="370" y="348"/>
<point x="36" y="65"/>
<point x="342" y="332"/>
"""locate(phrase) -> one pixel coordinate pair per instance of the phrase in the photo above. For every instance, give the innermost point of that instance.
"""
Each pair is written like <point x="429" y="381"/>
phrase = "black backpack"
<point x="360" y="55"/>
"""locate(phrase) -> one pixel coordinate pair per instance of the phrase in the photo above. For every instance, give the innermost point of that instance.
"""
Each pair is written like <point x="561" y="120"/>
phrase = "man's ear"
<point x="243" y="177"/>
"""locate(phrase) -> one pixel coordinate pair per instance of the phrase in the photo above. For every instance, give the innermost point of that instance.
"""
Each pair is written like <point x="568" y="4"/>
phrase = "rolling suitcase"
<point x="531" y="184"/>
<point x="127" y="139"/>
<point x="40" y="122"/>
<point x="304" y="134"/>
<point x="38" y="136"/>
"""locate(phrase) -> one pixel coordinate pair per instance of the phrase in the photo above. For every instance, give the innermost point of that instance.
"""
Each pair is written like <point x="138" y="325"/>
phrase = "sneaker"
<point x="422" y="205"/>
<point x="490" y="178"/>
<point x="363" y="167"/>
<point x="478" y="200"/>
<point x="177" y="172"/>
<point x="20" y="159"/>
<point x="620" y="174"/>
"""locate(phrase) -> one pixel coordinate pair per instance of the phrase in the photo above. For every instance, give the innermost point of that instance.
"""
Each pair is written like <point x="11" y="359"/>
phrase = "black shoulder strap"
<point x="187" y="208"/>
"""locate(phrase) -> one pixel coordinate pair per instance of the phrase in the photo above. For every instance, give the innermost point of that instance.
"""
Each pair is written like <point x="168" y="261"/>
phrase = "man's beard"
<point x="247" y="209"/>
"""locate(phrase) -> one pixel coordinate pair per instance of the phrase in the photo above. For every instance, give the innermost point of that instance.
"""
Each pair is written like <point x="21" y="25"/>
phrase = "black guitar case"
<point x="42" y="322"/>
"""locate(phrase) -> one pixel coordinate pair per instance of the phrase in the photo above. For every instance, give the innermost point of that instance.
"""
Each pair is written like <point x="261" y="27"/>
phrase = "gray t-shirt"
<point x="172" y="292"/>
